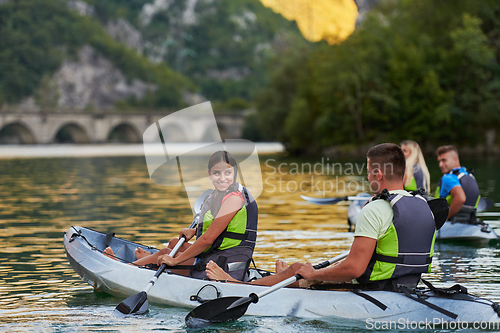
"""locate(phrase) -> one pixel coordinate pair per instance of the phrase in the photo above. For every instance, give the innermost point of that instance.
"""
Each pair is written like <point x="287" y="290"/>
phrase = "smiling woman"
<point x="226" y="232"/>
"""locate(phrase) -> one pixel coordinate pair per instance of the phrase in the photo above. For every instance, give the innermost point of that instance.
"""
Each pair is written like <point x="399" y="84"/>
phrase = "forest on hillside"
<point x="218" y="49"/>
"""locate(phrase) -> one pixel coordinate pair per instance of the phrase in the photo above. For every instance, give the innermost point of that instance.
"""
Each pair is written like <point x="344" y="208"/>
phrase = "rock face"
<point x="364" y="6"/>
<point x="94" y="82"/>
<point x="124" y="32"/>
<point x="81" y="7"/>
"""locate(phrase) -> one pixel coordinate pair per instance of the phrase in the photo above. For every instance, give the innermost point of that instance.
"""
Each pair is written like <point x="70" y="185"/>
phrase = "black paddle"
<point x="440" y="209"/>
<point x="231" y="308"/>
<point x="332" y="201"/>
<point x="138" y="304"/>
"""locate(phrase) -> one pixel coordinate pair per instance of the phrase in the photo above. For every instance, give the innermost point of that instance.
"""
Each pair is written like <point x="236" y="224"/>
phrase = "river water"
<point x="40" y="198"/>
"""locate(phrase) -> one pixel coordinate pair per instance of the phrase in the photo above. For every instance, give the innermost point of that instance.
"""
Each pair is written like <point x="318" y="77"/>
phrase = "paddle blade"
<point x="136" y="304"/>
<point x="484" y="204"/>
<point x="440" y="209"/>
<point x="216" y="311"/>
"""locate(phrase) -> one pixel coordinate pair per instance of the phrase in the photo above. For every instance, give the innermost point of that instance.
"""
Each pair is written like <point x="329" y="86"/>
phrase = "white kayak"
<point x="481" y="232"/>
<point x="449" y="231"/>
<point x="84" y="246"/>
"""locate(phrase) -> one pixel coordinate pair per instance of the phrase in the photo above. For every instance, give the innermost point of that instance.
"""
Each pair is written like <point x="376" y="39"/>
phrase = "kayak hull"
<point x="123" y="280"/>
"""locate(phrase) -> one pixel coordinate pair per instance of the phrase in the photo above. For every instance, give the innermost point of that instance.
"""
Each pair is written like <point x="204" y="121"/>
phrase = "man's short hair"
<point x="445" y="149"/>
<point x="389" y="158"/>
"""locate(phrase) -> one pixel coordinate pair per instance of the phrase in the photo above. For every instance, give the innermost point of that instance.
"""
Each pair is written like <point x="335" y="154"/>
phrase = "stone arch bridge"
<point x="108" y="127"/>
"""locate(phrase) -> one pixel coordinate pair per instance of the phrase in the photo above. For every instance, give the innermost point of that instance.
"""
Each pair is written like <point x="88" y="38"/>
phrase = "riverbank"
<point x="110" y="150"/>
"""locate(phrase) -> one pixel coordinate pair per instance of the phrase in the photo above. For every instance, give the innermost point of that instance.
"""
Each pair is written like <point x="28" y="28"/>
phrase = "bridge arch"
<point x="124" y="133"/>
<point x="16" y="133"/>
<point x="71" y="133"/>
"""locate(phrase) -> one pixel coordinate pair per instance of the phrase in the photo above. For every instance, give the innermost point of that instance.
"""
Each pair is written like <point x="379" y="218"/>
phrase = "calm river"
<point x="42" y="197"/>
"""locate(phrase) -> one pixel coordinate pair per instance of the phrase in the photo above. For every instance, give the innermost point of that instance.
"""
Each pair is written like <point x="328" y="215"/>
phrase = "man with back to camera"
<point x="457" y="185"/>
<point x="394" y="227"/>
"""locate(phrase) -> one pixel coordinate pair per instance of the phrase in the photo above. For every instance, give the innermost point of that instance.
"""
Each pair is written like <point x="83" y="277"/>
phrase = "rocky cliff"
<point x="222" y="46"/>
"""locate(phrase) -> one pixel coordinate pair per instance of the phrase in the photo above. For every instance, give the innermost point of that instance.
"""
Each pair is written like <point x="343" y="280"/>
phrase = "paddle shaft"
<point x="297" y="277"/>
<point x="334" y="200"/>
<point x="358" y="198"/>
<point x="172" y="254"/>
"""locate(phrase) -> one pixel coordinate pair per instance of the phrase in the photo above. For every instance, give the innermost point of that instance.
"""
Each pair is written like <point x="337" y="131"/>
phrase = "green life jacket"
<point x="417" y="180"/>
<point x="412" y="186"/>
<point x="232" y="250"/>
<point x="241" y="230"/>
<point x="235" y="232"/>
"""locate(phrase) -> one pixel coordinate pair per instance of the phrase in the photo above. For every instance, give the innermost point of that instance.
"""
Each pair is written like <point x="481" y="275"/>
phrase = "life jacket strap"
<point x="455" y="289"/>
<point x="385" y="195"/>
<point x="406" y="291"/>
<point x="371" y="299"/>
<point x="234" y="235"/>
<point x="398" y="260"/>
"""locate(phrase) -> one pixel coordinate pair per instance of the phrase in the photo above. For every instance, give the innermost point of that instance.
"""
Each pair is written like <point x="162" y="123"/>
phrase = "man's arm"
<point x="457" y="201"/>
<point x="351" y="268"/>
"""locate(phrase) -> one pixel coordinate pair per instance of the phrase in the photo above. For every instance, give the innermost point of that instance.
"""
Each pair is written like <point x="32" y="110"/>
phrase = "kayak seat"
<point x="255" y="274"/>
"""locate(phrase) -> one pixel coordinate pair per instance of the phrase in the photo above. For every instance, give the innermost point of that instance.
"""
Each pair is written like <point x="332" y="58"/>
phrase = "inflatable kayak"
<point x="84" y="251"/>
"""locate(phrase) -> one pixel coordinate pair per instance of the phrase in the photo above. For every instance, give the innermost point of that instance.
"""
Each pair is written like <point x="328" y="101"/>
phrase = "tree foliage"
<point x="37" y="35"/>
<point x="422" y="70"/>
<point x="221" y="45"/>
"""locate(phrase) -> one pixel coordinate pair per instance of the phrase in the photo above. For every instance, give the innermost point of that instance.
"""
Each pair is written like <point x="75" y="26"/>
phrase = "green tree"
<point x="421" y="70"/>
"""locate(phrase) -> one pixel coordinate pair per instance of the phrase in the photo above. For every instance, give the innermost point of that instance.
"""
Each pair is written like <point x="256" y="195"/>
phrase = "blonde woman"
<point x="417" y="175"/>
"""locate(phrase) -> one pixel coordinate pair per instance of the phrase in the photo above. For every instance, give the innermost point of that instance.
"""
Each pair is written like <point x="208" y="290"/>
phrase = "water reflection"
<point x="42" y="198"/>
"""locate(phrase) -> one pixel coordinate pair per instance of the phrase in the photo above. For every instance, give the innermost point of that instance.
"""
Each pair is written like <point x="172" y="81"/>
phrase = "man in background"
<point x="457" y="185"/>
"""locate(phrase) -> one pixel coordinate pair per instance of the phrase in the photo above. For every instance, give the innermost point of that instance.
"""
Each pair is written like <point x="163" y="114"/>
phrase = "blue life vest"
<point x="467" y="213"/>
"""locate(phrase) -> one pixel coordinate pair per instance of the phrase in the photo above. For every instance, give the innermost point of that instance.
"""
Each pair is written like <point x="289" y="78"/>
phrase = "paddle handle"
<point x="297" y="277"/>
<point x="183" y="238"/>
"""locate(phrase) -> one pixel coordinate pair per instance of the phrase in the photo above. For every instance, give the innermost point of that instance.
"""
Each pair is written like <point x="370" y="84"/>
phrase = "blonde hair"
<point x="416" y="157"/>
